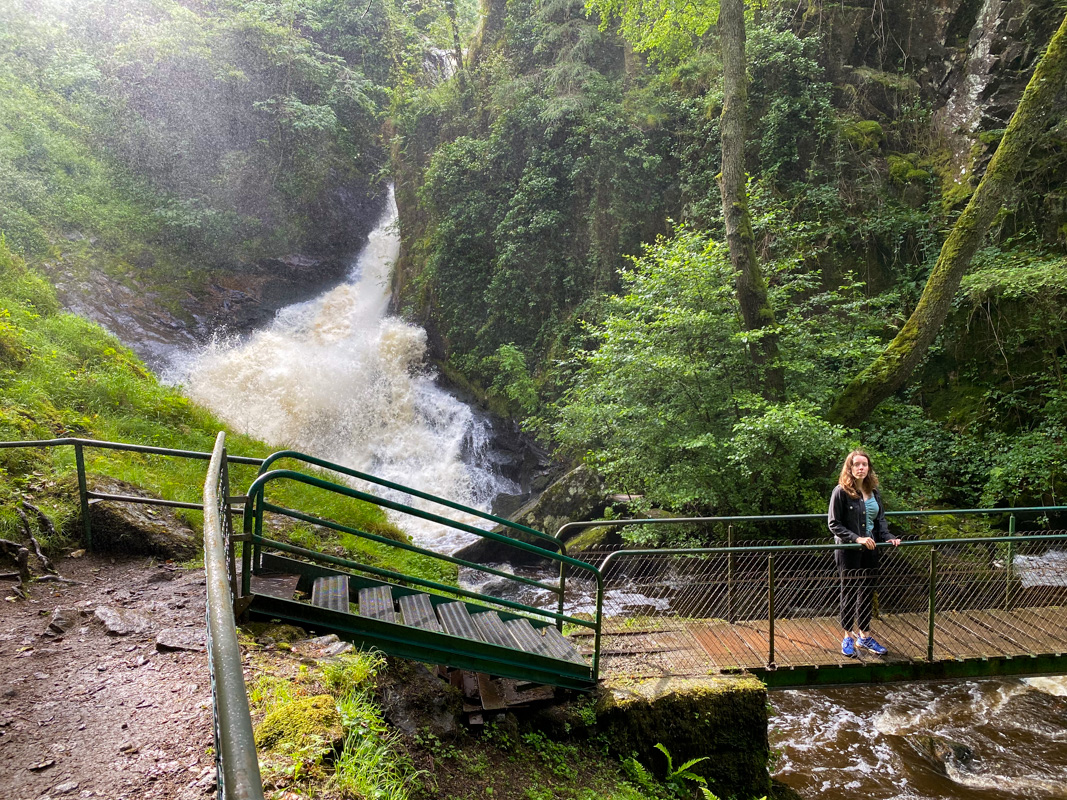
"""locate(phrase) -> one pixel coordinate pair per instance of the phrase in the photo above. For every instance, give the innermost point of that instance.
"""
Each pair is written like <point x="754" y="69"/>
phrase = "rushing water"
<point x="968" y="740"/>
<point x="337" y="377"/>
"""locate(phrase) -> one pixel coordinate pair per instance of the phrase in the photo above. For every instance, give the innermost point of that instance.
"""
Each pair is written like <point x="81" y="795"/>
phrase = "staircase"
<point x="408" y="623"/>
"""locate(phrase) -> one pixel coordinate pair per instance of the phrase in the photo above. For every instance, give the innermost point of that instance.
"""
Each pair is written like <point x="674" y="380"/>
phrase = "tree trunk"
<point x="756" y="311"/>
<point x="893" y="367"/>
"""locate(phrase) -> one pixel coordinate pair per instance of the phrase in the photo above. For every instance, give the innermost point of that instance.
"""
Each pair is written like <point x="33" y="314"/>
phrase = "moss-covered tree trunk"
<point x="893" y="367"/>
<point x="751" y="287"/>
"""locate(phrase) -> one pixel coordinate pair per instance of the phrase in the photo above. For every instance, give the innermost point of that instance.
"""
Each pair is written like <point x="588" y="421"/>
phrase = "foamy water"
<point x="338" y="378"/>
<point x="995" y="739"/>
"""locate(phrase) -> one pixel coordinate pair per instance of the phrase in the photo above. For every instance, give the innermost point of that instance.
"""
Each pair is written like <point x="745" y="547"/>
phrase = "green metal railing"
<point x="85" y="494"/>
<point x="553" y="542"/>
<point x="674" y="594"/>
<point x="236" y="764"/>
<point x="257" y="505"/>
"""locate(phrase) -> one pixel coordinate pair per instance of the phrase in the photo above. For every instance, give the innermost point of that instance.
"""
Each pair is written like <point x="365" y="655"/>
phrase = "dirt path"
<point x="93" y="713"/>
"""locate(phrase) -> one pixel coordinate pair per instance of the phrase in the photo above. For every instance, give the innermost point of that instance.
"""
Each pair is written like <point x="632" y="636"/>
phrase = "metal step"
<point x="492" y="629"/>
<point x="528" y="639"/>
<point x="561" y="647"/>
<point x="417" y="611"/>
<point x="331" y="592"/>
<point x="276" y="584"/>
<point x="457" y="621"/>
<point x="377" y="603"/>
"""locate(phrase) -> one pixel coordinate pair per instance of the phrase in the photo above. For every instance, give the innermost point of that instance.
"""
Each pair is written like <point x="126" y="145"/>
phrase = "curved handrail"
<point x="237" y="763"/>
<point x="363" y="476"/>
<point x="256" y="489"/>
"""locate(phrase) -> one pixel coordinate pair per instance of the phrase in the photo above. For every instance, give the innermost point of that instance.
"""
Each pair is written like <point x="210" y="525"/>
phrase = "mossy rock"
<point x="593" y="538"/>
<point x="300" y="723"/>
<point x="274" y="631"/>
<point x="723" y="719"/>
<point x="865" y="134"/>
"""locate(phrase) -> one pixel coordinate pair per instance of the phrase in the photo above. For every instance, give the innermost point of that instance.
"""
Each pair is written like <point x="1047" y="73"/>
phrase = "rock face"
<point x="137" y="529"/>
<point x="578" y="495"/>
<point x="724" y="719"/>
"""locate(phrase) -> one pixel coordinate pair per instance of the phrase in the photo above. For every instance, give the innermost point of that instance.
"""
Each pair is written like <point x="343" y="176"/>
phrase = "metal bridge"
<point x="946" y="607"/>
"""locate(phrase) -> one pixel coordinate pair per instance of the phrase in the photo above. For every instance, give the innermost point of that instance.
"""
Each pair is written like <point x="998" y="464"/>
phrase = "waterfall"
<point x="338" y="378"/>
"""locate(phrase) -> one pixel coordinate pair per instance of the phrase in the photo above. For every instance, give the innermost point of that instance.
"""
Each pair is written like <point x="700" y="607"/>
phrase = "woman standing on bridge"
<point x="857" y="515"/>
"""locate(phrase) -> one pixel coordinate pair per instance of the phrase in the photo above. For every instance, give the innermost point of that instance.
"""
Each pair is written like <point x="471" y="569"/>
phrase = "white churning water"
<point x="338" y="378"/>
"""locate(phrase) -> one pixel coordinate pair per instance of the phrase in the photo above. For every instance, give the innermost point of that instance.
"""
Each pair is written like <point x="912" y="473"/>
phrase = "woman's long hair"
<point x="847" y="480"/>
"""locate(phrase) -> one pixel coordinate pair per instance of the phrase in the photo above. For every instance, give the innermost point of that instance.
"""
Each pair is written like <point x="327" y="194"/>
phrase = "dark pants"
<point x="858" y="570"/>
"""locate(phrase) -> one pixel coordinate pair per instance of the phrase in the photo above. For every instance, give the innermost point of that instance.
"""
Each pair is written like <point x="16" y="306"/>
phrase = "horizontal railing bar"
<point x="618" y="523"/>
<point x="699" y="551"/>
<point x="337" y="488"/>
<point x="411" y="548"/>
<point x="384" y="573"/>
<point x="134" y="448"/>
<point x="408" y="490"/>
<point x="146" y="501"/>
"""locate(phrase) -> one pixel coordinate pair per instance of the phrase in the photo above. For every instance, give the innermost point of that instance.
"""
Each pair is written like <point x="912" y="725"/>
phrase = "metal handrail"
<point x="236" y="763"/>
<point x="620" y="523"/>
<point x="253" y="530"/>
<point x="85" y="494"/>
<point x="773" y="552"/>
<point x="363" y="476"/>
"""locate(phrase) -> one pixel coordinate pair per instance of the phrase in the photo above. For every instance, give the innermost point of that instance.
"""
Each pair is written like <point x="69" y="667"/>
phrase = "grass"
<point x="367" y="764"/>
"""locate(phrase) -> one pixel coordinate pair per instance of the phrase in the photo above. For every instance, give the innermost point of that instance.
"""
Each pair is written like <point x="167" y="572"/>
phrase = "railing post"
<point x="562" y="592"/>
<point x="83" y="494"/>
<point x="730" y="565"/>
<point x="250" y="515"/>
<point x="933" y="603"/>
<point x="1009" y="566"/>
<point x="770" y="610"/>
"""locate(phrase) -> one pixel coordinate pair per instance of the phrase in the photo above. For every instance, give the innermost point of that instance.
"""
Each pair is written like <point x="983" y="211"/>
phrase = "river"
<point x="966" y="740"/>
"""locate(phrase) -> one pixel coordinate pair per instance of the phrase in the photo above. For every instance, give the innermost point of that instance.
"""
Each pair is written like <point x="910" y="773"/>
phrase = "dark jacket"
<point x="847" y="518"/>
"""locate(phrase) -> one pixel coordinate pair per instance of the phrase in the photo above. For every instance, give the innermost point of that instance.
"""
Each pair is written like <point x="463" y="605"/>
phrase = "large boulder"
<point x="136" y="529"/>
<point x="578" y="495"/>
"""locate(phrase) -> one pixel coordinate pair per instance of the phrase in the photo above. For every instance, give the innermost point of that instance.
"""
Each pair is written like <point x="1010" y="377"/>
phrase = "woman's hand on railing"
<point x="866" y="541"/>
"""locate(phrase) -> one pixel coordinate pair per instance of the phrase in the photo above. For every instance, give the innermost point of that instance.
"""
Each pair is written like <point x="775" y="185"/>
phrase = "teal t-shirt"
<point x="872" y="513"/>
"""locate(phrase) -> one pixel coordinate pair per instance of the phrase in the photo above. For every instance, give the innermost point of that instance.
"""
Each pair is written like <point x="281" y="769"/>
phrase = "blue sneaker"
<point x="848" y="647"/>
<point x="869" y="643"/>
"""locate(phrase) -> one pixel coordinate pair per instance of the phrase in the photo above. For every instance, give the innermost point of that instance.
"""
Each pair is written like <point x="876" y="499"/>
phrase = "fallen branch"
<point x="46" y="523"/>
<point x="58" y="579"/>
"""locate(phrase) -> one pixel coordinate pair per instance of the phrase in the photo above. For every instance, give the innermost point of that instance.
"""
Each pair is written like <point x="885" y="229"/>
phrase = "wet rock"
<point x="943" y="753"/>
<point x="322" y="647"/>
<point x="122" y="621"/>
<point x="578" y="495"/>
<point x="137" y="529"/>
<point x="724" y="719"/>
<point x="181" y="639"/>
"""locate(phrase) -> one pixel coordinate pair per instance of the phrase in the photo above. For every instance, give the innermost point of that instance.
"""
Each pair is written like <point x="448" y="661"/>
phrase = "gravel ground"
<point x="93" y="711"/>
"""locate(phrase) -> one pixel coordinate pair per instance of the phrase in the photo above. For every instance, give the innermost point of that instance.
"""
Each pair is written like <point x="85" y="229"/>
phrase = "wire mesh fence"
<point x="763" y="604"/>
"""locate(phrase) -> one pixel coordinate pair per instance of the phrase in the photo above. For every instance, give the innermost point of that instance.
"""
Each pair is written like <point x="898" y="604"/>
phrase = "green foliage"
<point x="665" y="405"/>
<point x="665" y="29"/>
<point x="529" y="202"/>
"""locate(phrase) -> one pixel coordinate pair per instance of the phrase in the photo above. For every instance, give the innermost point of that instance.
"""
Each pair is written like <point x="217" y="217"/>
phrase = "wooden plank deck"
<point x="702" y="647"/>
